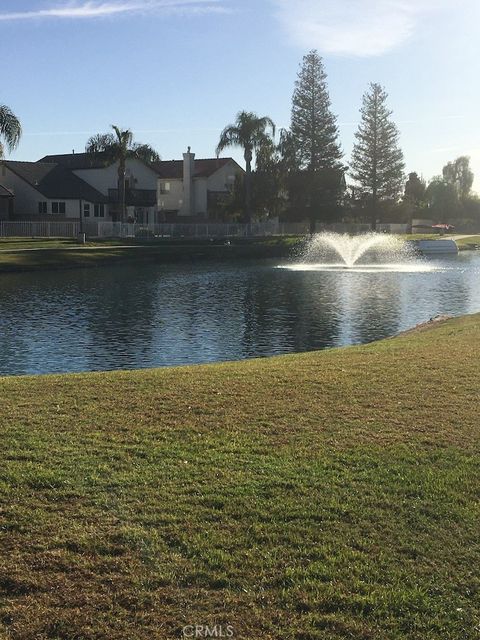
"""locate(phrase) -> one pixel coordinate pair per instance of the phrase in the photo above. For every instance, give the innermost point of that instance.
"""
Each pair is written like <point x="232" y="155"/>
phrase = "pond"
<point x="133" y="317"/>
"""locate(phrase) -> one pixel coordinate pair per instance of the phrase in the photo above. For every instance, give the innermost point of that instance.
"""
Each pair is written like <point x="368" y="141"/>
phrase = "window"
<point x="99" y="210"/>
<point x="86" y="210"/>
<point x="58" y="207"/>
<point x="164" y="187"/>
<point x="42" y="207"/>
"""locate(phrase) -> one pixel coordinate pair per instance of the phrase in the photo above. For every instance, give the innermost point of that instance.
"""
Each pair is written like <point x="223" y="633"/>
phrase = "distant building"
<point x="192" y="189"/>
<point x="48" y="191"/>
<point x="70" y="186"/>
<point x="102" y="174"/>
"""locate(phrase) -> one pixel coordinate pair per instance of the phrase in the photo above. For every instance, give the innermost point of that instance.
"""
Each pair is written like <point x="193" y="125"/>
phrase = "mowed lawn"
<point x="324" y="495"/>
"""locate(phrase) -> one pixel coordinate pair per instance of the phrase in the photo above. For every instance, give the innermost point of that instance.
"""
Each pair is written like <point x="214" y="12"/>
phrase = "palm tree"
<point x="117" y="147"/>
<point x="10" y="129"/>
<point x="249" y="132"/>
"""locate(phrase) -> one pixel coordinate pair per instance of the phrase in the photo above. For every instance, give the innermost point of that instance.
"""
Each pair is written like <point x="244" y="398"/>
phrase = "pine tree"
<point x="313" y="125"/>
<point x="316" y="176"/>
<point x="377" y="160"/>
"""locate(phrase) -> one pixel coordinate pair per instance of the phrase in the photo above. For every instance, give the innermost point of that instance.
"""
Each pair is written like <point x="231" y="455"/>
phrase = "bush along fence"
<point x="93" y="229"/>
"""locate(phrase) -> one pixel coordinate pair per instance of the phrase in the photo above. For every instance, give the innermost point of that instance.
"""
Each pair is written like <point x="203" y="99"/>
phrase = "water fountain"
<point x="368" y="252"/>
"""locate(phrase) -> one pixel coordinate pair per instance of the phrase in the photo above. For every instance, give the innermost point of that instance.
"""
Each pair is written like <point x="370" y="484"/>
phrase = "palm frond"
<point x="10" y="128"/>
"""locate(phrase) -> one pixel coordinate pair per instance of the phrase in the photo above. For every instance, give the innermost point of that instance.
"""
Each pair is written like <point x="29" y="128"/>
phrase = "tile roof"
<point x="77" y="161"/>
<point x="204" y="167"/>
<point x="55" y="181"/>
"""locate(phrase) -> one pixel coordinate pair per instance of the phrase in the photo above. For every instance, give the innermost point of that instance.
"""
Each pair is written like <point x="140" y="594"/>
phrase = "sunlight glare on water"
<point x="409" y="267"/>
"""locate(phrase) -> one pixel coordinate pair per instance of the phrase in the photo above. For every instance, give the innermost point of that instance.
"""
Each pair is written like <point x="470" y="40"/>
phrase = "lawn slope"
<point x="317" y="496"/>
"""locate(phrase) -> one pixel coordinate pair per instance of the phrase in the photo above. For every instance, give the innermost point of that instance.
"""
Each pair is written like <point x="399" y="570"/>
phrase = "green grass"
<point x="67" y="254"/>
<point x="18" y="244"/>
<point x="317" y="496"/>
<point x="472" y="242"/>
<point x="55" y="253"/>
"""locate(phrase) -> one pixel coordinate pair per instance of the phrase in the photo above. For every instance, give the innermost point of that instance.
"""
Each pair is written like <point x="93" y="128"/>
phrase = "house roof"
<point x="5" y="193"/>
<point x="204" y="167"/>
<point x="55" y="181"/>
<point x="77" y="161"/>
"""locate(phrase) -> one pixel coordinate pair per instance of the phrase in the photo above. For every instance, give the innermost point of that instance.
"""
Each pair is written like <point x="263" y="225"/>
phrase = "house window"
<point x="164" y="187"/>
<point x="99" y="210"/>
<point x="58" y="207"/>
<point x="42" y="208"/>
<point x="86" y="210"/>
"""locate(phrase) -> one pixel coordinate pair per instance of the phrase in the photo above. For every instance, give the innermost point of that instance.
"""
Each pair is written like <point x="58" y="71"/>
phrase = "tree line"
<point x="302" y="174"/>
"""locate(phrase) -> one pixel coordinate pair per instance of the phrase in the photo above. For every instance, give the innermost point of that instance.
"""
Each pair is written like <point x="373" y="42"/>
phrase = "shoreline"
<point x="78" y="257"/>
<point x="422" y="327"/>
<point x="72" y="256"/>
<point x="264" y="486"/>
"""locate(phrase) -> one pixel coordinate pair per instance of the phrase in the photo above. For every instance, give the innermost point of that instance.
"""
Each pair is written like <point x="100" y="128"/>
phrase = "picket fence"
<point x="96" y="230"/>
<point x="93" y="229"/>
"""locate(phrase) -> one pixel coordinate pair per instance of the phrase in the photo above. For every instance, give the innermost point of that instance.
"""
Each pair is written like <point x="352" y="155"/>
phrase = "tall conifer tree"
<point x="377" y="160"/>
<point x="316" y="182"/>
<point x="313" y="125"/>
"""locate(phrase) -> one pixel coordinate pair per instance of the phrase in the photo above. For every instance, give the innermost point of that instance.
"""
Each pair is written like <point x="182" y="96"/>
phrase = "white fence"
<point x="39" y="229"/>
<point x="94" y="229"/>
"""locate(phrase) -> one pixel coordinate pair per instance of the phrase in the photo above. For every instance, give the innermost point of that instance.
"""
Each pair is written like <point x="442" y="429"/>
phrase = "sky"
<point x="176" y="72"/>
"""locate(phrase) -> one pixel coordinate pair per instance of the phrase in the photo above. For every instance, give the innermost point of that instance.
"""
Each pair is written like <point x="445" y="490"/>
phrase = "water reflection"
<point x="157" y="315"/>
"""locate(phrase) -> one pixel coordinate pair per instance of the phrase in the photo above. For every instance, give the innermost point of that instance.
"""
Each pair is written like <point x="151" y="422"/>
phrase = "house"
<point x="173" y="190"/>
<point x="191" y="189"/>
<point x="47" y="190"/>
<point x="102" y="174"/>
<point x="6" y="203"/>
<point x="82" y="185"/>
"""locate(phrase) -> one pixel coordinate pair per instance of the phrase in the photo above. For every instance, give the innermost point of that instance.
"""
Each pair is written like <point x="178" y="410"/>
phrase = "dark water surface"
<point x="132" y="317"/>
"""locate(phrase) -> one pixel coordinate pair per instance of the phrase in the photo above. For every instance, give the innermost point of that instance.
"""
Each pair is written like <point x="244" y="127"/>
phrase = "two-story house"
<point x="192" y="189"/>
<point x="81" y="185"/>
<point x="41" y="191"/>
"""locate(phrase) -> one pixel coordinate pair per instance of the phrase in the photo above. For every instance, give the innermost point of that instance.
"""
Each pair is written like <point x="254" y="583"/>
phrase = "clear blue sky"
<point x="177" y="71"/>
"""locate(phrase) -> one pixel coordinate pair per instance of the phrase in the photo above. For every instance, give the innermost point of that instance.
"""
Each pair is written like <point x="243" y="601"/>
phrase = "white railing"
<point x="101" y="229"/>
<point x="94" y="229"/>
<point x="39" y="229"/>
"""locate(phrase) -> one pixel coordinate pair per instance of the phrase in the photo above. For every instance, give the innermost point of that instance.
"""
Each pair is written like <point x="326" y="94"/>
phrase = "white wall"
<point x="142" y="177"/>
<point x="27" y="198"/>
<point x="219" y="180"/>
<point x="201" y="196"/>
<point x="171" y="201"/>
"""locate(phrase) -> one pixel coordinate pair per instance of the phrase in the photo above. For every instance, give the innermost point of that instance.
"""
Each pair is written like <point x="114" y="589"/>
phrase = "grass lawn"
<point x="317" y="496"/>
<point x="20" y="244"/>
<point x="24" y="254"/>
<point x="472" y="242"/>
<point x="55" y="253"/>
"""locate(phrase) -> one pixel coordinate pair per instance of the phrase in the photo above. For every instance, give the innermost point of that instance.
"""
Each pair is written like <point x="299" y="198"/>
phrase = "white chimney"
<point x="188" y="208"/>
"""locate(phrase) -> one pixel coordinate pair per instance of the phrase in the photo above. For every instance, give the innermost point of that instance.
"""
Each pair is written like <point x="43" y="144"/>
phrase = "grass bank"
<point x="33" y="255"/>
<point x="24" y="254"/>
<point x="469" y="243"/>
<point x="317" y="496"/>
